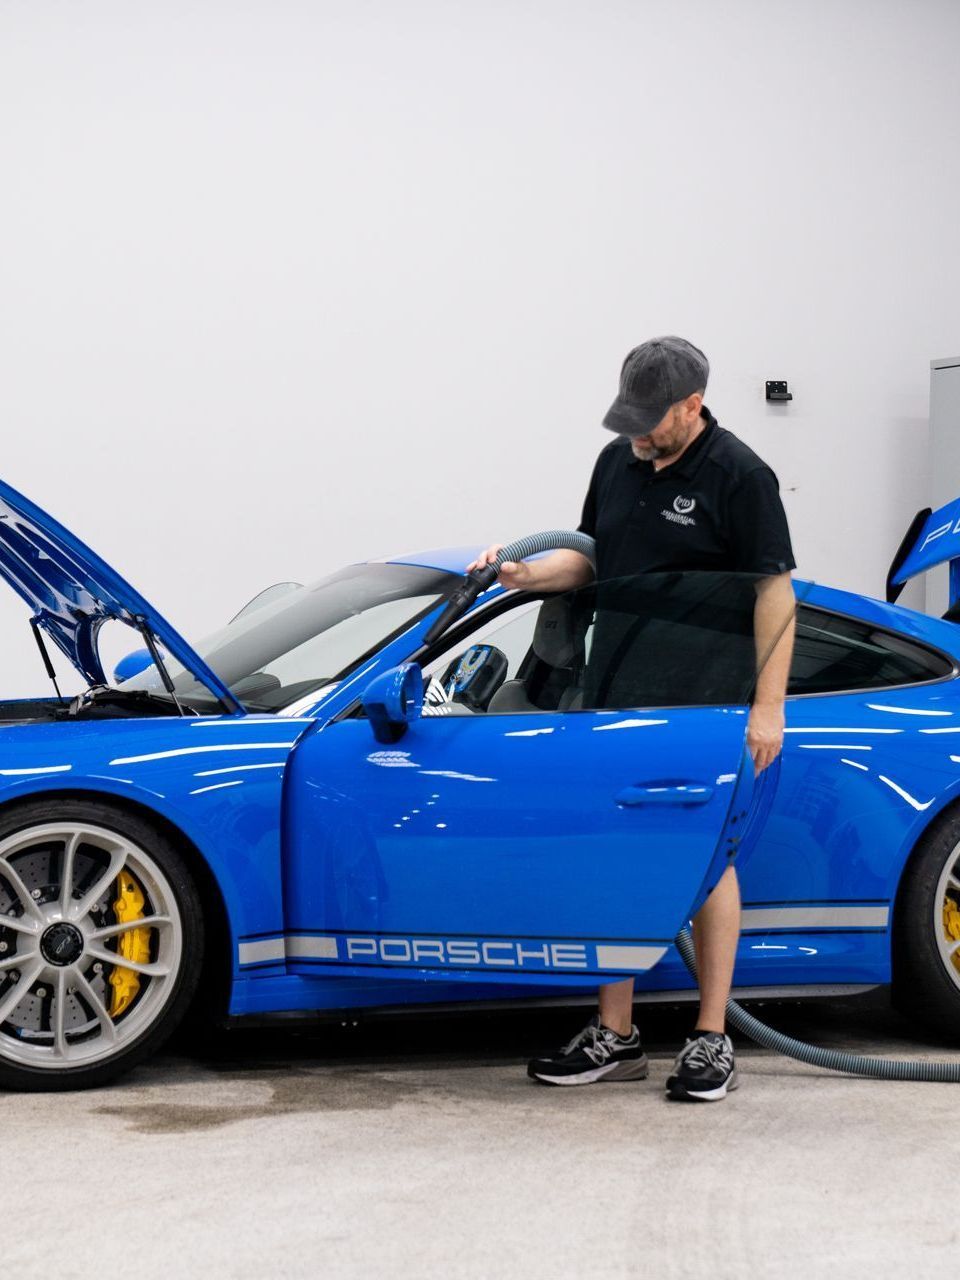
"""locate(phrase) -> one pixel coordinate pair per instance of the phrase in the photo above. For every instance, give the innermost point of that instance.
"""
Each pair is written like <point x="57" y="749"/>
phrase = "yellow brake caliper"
<point x="951" y="924"/>
<point x="133" y="945"/>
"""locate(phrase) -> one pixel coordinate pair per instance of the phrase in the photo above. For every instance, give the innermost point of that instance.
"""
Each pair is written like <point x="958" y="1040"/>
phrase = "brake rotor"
<point x="39" y="869"/>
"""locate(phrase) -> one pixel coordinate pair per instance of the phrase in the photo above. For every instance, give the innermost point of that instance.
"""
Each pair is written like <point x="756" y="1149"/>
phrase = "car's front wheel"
<point x="926" y="958"/>
<point x="101" y="943"/>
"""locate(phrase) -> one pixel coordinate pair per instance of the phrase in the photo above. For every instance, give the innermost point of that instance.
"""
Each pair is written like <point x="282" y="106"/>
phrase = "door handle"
<point x="666" y="793"/>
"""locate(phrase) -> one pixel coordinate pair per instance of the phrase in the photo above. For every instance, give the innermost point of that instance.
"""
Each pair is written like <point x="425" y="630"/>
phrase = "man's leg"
<point x="612" y="1050"/>
<point x="705" y="1069"/>
<point x="616" y="1006"/>
<point x="716" y="931"/>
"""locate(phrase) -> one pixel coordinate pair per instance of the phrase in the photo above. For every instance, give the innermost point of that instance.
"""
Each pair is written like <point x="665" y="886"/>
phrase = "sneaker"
<point x="596" y="1053"/>
<point x="705" y="1070"/>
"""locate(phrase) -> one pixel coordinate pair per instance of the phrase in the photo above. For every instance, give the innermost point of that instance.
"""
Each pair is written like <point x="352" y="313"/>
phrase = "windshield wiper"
<point x="100" y="695"/>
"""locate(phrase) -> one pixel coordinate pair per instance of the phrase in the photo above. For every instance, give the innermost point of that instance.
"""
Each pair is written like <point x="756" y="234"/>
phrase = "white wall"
<point x="288" y="284"/>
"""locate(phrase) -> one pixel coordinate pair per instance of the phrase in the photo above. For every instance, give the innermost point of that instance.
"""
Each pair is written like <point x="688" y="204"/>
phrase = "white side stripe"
<point x="318" y="947"/>
<point x="262" y="950"/>
<point x="638" y="959"/>
<point x="629" y="957"/>
<point x="312" y="948"/>
<point x="815" y="918"/>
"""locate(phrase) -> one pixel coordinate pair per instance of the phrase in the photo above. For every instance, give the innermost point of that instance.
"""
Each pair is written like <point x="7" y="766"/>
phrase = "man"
<point x="670" y="456"/>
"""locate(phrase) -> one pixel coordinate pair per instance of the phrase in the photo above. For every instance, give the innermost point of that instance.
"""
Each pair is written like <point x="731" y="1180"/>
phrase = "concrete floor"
<point x="421" y="1149"/>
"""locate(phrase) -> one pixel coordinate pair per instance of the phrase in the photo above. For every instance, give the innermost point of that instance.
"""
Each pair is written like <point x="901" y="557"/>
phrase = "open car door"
<point x="575" y="836"/>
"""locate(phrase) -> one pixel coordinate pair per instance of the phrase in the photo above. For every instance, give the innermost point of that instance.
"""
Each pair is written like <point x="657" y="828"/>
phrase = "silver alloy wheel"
<point x="948" y="887"/>
<point x="58" y="932"/>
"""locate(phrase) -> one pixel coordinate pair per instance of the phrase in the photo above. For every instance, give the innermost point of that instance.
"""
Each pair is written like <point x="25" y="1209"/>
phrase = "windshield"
<point x="280" y="653"/>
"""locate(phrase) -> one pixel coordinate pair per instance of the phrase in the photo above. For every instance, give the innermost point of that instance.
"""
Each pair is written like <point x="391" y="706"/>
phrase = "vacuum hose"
<point x="812" y="1055"/>
<point x="522" y="549"/>
<point x="854" y="1064"/>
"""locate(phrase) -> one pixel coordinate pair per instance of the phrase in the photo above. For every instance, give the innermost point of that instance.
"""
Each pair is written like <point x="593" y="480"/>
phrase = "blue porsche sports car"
<point x="328" y="806"/>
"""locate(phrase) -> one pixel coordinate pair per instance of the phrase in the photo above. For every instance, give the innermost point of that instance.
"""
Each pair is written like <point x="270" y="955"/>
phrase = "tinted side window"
<point x="832" y="653"/>
<point x="651" y="640"/>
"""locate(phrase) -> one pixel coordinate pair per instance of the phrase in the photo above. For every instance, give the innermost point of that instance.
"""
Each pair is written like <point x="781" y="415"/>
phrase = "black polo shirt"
<point x="716" y="508"/>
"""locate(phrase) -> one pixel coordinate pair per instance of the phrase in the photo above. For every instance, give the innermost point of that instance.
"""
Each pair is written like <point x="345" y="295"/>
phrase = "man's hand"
<point x="773" y="622"/>
<point x="765" y="734"/>
<point x="511" y="575"/>
<point x="559" y="571"/>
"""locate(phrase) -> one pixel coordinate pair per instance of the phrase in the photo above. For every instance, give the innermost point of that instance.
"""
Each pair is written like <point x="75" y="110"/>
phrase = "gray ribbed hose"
<point x="854" y="1064"/>
<point x="463" y="597"/>
<point x="829" y="1059"/>
<point x="552" y="540"/>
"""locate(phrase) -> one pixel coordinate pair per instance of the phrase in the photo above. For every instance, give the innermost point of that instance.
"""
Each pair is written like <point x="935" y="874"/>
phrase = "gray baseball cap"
<point x="654" y="376"/>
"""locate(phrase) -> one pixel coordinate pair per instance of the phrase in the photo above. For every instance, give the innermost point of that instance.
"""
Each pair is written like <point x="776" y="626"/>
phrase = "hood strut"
<point x="35" y="628"/>
<point x="150" y="642"/>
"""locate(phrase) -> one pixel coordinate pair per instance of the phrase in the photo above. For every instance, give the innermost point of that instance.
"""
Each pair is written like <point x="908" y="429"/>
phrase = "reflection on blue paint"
<point x="49" y="768"/>
<point x="911" y="800"/>
<point x="240" y="768"/>
<point x="626" y="724"/>
<point x="392" y="760"/>
<point x="191" y="751"/>
<point x="248" y="722"/>
<point x="846" y="729"/>
<point x="217" y="786"/>
<point x="452" y="773"/>
<point x="907" y="711"/>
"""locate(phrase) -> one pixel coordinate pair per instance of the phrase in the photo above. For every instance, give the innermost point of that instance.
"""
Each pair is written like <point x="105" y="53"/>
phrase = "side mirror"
<point x="393" y="700"/>
<point x="132" y="665"/>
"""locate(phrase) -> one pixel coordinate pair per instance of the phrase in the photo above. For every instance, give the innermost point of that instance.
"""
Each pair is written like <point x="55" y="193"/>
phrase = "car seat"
<point x="550" y="676"/>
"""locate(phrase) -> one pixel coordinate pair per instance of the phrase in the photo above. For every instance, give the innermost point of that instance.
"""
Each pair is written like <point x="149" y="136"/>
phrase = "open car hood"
<point x="72" y="593"/>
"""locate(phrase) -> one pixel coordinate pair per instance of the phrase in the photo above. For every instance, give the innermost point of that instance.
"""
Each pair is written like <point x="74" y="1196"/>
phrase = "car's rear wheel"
<point x="101" y="943"/>
<point x="926" y="976"/>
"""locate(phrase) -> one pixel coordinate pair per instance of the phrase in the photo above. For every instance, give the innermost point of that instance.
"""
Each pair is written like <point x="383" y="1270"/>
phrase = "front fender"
<point x="218" y="780"/>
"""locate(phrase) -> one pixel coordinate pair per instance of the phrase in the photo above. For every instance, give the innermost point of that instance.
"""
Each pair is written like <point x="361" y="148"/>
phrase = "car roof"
<point x="448" y="559"/>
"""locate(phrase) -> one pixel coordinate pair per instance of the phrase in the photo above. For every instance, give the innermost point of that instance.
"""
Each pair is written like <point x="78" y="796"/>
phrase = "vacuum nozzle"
<point x="461" y="600"/>
<point x="481" y="579"/>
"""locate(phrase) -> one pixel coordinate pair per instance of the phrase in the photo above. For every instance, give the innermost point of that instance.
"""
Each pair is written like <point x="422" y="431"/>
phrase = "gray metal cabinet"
<point x="944" y="482"/>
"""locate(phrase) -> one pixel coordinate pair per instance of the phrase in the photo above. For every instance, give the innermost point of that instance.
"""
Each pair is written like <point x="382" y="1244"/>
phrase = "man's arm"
<point x="561" y="571"/>
<point x="773" y="626"/>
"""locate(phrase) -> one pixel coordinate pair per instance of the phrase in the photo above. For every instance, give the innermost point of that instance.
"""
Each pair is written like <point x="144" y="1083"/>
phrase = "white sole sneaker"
<point x="680" y="1094"/>
<point x="636" y="1069"/>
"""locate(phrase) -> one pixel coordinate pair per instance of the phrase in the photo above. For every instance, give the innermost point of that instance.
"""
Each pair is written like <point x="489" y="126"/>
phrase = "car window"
<point x="677" y="639"/>
<point x="507" y="638"/>
<point x="311" y="636"/>
<point x="833" y="653"/>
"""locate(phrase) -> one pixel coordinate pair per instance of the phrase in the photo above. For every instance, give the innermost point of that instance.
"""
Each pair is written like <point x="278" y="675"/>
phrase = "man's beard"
<point x="648" y="452"/>
<point x="651" y="452"/>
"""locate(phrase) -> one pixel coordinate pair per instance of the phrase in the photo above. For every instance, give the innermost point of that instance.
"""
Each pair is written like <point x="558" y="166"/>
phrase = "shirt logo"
<point x="681" y="511"/>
